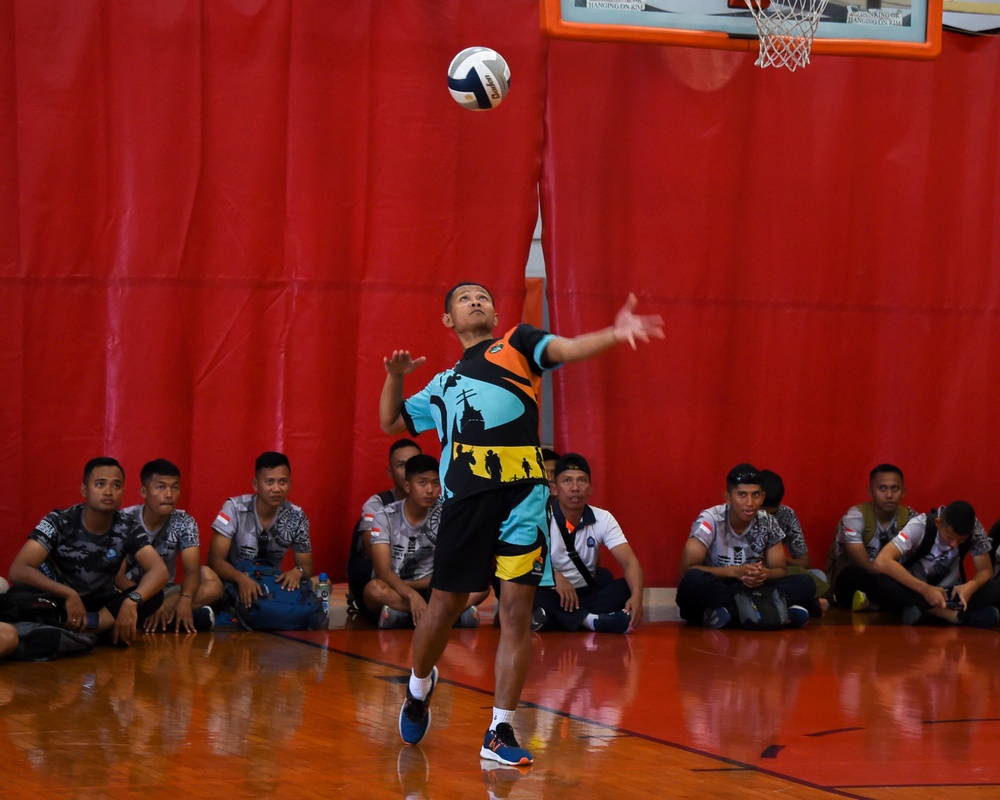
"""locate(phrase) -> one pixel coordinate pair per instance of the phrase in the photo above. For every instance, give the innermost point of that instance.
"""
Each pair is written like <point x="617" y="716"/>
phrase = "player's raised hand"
<point x="630" y="326"/>
<point x="401" y="363"/>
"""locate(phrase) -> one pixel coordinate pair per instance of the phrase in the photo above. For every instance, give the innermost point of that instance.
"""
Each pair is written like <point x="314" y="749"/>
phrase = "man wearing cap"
<point x="737" y="546"/>
<point x="586" y="595"/>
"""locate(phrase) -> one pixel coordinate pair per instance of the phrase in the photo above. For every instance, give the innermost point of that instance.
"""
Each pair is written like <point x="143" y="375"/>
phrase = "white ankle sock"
<point x="419" y="687"/>
<point x="501" y="715"/>
<point x="588" y="623"/>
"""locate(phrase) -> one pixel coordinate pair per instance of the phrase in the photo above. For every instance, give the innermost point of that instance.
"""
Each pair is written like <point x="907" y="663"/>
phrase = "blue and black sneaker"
<point x="501" y="745"/>
<point x="415" y="715"/>
<point x="797" y="617"/>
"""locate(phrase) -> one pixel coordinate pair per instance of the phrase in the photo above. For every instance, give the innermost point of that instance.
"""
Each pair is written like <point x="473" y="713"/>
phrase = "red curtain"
<point x="823" y="247"/>
<point x="216" y="217"/>
<point x="219" y="216"/>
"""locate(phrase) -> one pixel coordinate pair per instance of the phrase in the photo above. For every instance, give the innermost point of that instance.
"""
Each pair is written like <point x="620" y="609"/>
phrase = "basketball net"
<point x="786" y="30"/>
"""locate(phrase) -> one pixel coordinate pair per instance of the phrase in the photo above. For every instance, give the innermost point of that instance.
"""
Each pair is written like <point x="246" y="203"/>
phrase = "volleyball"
<point x="478" y="78"/>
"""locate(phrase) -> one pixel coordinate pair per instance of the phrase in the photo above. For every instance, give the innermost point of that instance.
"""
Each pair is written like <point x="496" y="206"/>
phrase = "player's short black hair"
<point x="549" y="454"/>
<point x="885" y="468"/>
<point x="742" y="473"/>
<point x="773" y="486"/>
<point x="269" y="460"/>
<point x="400" y="443"/>
<point x="961" y="516"/>
<point x="158" y="466"/>
<point x="456" y="287"/>
<point x="100" y="461"/>
<point x="421" y="463"/>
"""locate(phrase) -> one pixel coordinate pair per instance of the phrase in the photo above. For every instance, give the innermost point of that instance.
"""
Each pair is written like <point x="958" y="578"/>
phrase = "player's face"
<point x="160" y="494"/>
<point x="550" y="474"/>
<point x="272" y="485"/>
<point x="424" y="489"/>
<point x="104" y="489"/>
<point x="745" y="500"/>
<point x="573" y="489"/>
<point x="887" y="492"/>
<point x="397" y="467"/>
<point x="471" y="310"/>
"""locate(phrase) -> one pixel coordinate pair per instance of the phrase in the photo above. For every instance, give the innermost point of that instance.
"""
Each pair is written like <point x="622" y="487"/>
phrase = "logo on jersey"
<point x="496" y="348"/>
<point x="222" y="519"/>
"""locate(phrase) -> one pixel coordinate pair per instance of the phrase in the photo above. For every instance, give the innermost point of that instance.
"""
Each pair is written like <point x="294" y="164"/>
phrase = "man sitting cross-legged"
<point x="403" y="536"/>
<point x="585" y="594"/>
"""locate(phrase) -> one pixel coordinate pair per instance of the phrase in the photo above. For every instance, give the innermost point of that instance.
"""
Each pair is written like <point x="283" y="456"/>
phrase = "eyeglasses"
<point x="747" y="477"/>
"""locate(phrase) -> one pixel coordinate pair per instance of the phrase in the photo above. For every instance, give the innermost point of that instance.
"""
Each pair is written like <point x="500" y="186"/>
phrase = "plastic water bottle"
<point x="323" y="592"/>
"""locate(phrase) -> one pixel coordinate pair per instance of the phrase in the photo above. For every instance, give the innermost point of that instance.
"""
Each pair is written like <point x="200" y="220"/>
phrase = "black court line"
<point x="733" y="764"/>
<point x="833" y="731"/>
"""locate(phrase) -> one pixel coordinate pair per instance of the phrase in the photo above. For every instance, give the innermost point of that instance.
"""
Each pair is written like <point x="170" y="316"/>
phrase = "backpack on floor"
<point x="22" y="604"/>
<point x="40" y="642"/>
<point x="761" y="609"/>
<point x="277" y="609"/>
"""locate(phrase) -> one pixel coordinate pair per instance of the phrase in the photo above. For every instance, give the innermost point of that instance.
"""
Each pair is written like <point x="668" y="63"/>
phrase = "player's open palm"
<point x="401" y="363"/>
<point x="630" y="327"/>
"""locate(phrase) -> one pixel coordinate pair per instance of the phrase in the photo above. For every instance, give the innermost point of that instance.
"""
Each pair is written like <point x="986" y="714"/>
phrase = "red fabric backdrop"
<point x="217" y="217"/>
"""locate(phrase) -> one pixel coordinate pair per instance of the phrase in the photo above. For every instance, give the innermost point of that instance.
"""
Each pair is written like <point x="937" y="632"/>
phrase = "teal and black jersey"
<point x="485" y="410"/>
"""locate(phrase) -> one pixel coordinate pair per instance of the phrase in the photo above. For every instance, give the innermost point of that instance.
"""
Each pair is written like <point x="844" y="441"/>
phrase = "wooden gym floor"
<point x="851" y="706"/>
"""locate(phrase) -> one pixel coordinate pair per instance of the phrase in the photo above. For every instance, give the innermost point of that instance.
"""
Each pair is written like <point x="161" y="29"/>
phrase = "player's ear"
<point x="446" y="320"/>
<point x="142" y="492"/>
<point x="83" y="490"/>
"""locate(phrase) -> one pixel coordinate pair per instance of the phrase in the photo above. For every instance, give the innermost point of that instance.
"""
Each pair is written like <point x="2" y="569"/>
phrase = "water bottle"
<point x="323" y="592"/>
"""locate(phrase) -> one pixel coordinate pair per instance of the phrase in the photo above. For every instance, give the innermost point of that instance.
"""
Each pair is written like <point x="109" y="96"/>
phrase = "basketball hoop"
<point x="786" y="30"/>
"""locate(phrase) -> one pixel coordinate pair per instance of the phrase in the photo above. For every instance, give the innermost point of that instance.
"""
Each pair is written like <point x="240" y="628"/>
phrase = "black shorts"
<point x="503" y="531"/>
<point x="113" y="603"/>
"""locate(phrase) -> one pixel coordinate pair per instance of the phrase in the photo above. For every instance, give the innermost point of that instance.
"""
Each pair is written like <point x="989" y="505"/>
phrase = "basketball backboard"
<point x="886" y="28"/>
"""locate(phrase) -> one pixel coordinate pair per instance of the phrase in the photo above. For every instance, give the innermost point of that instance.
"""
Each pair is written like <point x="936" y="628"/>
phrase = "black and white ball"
<point x="478" y="78"/>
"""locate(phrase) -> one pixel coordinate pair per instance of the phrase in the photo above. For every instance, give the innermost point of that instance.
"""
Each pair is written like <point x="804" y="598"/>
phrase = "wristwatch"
<point x="135" y="597"/>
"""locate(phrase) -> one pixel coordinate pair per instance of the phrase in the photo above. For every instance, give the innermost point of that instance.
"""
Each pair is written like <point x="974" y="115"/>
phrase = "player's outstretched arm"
<point x="629" y="327"/>
<point x="390" y="404"/>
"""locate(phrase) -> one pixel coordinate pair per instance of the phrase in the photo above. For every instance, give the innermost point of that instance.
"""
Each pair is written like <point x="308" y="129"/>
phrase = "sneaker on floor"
<point x="204" y="618"/>
<point x="538" y="619"/>
<point x="468" y="619"/>
<point x="613" y="622"/>
<point x="911" y="615"/>
<point x="717" y="617"/>
<point x="501" y="745"/>
<point x="985" y="617"/>
<point x="391" y="618"/>
<point x="860" y="601"/>
<point x="415" y="715"/>
<point x="797" y="617"/>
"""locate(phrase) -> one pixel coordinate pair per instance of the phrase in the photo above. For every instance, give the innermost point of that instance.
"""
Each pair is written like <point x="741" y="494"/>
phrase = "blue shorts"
<point x="503" y="531"/>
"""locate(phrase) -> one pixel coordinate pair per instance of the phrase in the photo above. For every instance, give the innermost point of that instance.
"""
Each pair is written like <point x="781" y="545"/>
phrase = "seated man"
<point x="359" y="562"/>
<point x="797" y="555"/>
<point x="76" y="554"/>
<point x="585" y="594"/>
<point x="403" y="536"/>
<point x="737" y="546"/>
<point x="921" y="570"/>
<point x="261" y="527"/>
<point x="863" y="531"/>
<point x="174" y="535"/>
